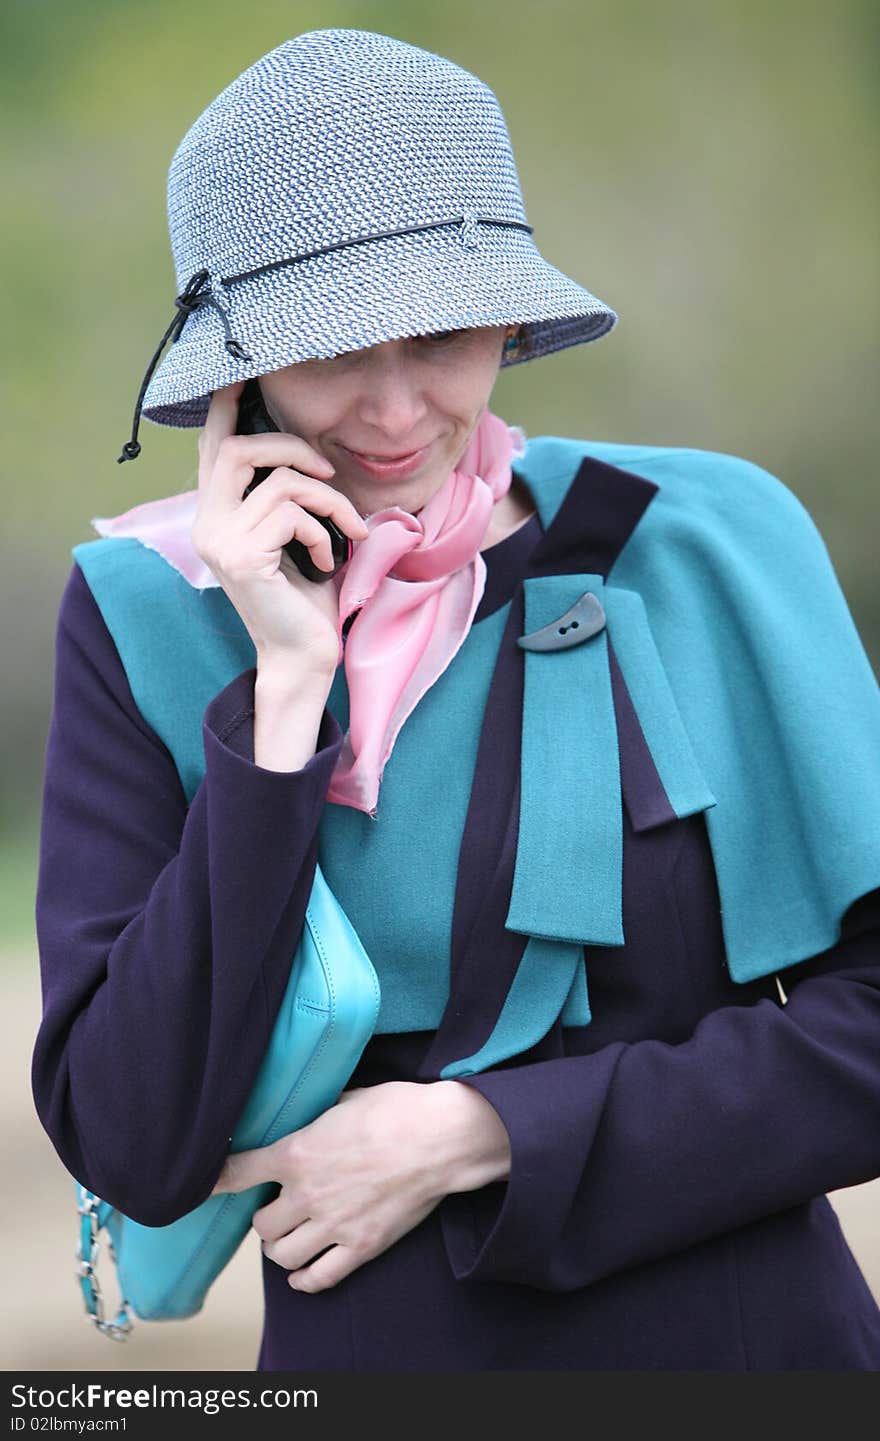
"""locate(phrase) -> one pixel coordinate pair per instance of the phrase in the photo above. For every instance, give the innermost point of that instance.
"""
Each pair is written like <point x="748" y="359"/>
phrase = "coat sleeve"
<point x="645" y="1148"/>
<point x="165" y="931"/>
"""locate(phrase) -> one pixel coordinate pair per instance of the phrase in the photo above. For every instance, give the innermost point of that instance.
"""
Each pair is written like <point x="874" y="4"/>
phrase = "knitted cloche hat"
<point x="347" y="189"/>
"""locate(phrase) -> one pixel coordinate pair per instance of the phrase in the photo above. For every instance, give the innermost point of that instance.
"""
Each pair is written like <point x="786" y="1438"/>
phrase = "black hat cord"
<point x="191" y="298"/>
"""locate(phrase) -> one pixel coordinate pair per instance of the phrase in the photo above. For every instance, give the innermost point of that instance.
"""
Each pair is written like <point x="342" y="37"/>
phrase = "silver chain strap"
<point x="87" y="1253"/>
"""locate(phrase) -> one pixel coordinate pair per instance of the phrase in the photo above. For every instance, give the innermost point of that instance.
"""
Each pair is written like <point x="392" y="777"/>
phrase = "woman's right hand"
<point x="242" y="540"/>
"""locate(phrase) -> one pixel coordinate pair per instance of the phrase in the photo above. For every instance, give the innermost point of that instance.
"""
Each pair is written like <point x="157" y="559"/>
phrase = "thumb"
<point x="244" y="1169"/>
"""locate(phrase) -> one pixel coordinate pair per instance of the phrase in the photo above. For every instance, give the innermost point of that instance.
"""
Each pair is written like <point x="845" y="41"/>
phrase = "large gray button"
<point x="583" y="620"/>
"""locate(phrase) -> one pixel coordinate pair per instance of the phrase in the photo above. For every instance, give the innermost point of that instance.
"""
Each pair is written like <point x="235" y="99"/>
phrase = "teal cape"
<point x="746" y="672"/>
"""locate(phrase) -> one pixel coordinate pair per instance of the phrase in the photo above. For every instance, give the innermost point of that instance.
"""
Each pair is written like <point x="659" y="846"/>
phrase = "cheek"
<point x="467" y="387"/>
<point x="304" y="413"/>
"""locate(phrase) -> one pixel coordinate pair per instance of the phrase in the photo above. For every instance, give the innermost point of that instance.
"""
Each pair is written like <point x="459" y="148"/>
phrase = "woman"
<point x="583" y="736"/>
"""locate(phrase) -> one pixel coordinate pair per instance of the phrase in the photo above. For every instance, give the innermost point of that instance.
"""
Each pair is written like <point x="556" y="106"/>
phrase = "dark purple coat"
<point x="666" y="1205"/>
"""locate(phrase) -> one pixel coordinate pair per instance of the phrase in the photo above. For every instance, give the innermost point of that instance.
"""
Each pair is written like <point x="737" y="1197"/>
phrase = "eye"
<point x="443" y="337"/>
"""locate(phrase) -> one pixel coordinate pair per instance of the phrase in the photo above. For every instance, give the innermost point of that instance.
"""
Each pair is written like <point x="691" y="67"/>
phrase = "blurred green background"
<point x="709" y="169"/>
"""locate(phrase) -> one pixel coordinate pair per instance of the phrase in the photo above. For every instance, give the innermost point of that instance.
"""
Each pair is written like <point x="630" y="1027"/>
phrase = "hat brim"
<point x="366" y="294"/>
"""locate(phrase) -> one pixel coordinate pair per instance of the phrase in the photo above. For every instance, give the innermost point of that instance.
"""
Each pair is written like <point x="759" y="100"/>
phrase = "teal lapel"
<point x="547" y="864"/>
<point x="567" y="882"/>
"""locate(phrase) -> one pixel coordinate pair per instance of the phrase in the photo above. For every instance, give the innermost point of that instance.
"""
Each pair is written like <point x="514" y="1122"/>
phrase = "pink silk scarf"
<point x="415" y="579"/>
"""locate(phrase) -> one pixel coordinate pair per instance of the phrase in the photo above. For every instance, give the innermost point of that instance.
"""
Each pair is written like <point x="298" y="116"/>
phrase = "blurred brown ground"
<point x="46" y="1329"/>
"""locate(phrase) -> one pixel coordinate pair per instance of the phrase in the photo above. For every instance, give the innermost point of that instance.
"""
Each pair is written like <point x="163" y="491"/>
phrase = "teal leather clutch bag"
<point x="328" y="1014"/>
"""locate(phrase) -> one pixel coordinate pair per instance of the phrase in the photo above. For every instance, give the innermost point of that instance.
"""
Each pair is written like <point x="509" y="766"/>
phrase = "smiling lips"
<point x="389" y="465"/>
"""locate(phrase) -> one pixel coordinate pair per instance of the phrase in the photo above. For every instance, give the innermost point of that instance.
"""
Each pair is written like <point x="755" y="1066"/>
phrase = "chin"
<point x="374" y="505"/>
<point x="409" y="499"/>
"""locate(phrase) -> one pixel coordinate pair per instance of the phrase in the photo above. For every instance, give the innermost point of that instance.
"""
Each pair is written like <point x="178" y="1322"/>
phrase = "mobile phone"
<point x="254" y="419"/>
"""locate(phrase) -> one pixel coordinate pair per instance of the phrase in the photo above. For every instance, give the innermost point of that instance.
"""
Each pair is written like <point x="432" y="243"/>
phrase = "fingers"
<point x="227" y="460"/>
<point x="227" y="463"/>
<point x="314" y="1262"/>
<point x="239" y="455"/>
<point x="280" y="1216"/>
<point x="317" y="496"/>
<point x="289" y="520"/>
<point x="249" y="1168"/>
<point x="327" y="1271"/>
<point x="296" y="1246"/>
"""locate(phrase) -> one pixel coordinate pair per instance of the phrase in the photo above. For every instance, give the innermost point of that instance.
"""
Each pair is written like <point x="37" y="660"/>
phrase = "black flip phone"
<point x="254" y="419"/>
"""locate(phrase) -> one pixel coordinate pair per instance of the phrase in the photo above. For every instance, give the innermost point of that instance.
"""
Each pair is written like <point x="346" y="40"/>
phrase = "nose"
<point x="392" y="401"/>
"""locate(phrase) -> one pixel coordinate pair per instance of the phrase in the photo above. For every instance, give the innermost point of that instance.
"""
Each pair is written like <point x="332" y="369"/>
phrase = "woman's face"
<point x="422" y="393"/>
